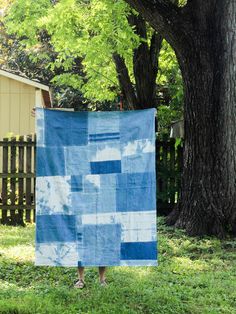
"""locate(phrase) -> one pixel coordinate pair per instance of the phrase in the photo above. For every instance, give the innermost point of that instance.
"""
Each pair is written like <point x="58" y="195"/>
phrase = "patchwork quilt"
<point x="95" y="188"/>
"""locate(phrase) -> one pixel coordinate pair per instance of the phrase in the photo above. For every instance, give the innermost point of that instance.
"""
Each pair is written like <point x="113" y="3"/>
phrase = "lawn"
<point x="194" y="276"/>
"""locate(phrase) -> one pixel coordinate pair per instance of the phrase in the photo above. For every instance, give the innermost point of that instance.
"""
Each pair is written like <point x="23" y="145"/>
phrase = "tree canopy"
<point x="86" y="35"/>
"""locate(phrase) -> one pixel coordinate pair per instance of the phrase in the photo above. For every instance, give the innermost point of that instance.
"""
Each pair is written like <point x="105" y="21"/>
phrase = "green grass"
<point x="194" y="276"/>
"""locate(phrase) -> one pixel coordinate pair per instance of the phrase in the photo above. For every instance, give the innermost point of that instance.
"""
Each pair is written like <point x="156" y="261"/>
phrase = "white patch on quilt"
<point x="137" y="220"/>
<point x="138" y="262"/>
<point x="101" y="218"/>
<point x="52" y="194"/>
<point x="56" y="254"/>
<point x="40" y="128"/>
<point x="107" y="153"/>
<point x="135" y="226"/>
<point x="136" y="235"/>
<point x="130" y="148"/>
<point x="148" y="147"/>
<point x="138" y="146"/>
<point x="94" y="179"/>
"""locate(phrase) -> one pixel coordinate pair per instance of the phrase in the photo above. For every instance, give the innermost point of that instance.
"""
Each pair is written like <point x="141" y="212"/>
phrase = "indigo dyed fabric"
<point x="95" y="188"/>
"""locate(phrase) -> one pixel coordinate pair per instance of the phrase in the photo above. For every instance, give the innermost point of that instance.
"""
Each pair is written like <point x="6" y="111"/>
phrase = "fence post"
<point x="157" y="166"/>
<point x="28" y="180"/>
<point x="34" y="212"/>
<point x="4" y="180"/>
<point x="13" y="181"/>
<point x="179" y="167"/>
<point x="172" y="172"/>
<point x="164" y="165"/>
<point x="21" y="181"/>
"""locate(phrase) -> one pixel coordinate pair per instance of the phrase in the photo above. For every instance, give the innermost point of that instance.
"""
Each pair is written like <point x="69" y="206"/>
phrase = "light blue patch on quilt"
<point x="50" y="161"/>
<point x="99" y="123"/>
<point x="57" y="128"/>
<point x="76" y="160"/>
<point x="95" y="188"/>
<point x="137" y="125"/>
<point x="101" y="245"/>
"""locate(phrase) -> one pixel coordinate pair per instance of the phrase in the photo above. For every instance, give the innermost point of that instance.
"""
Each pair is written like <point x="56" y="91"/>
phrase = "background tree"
<point x="117" y="49"/>
<point x="202" y="34"/>
<point x="34" y="63"/>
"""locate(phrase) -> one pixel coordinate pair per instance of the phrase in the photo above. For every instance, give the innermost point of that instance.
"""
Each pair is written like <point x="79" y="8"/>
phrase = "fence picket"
<point x="158" y="153"/>
<point x="4" y="181"/>
<point x="13" y="181"/>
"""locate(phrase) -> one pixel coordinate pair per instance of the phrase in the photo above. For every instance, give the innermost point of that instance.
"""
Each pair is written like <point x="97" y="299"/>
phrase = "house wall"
<point x="16" y="102"/>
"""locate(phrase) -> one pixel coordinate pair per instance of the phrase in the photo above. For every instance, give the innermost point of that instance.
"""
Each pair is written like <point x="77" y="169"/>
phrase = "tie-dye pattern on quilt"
<point x="95" y="188"/>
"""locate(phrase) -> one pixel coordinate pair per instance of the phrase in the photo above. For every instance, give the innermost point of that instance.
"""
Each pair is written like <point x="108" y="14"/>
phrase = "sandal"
<point x="103" y="283"/>
<point x="79" y="284"/>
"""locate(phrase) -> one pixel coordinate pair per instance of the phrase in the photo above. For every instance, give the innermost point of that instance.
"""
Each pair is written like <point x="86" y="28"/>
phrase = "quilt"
<point x="95" y="188"/>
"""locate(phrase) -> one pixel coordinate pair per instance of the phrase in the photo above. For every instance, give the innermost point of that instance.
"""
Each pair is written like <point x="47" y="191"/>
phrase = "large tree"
<point x="203" y="35"/>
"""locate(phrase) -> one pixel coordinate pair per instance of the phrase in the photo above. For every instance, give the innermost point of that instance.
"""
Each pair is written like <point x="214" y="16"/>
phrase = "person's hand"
<point x="33" y="112"/>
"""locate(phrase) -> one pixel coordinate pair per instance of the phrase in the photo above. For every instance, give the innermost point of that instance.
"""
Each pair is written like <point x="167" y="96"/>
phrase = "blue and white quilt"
<point x="95" y="188"/>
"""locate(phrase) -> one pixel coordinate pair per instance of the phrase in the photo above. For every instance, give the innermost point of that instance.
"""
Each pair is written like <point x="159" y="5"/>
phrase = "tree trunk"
<point x="145" y="68"/>
<point x="145" y="64"/>
<point x="125" y="83"/>
<point x="208" y="192"/>
<point x="203" y="35"/>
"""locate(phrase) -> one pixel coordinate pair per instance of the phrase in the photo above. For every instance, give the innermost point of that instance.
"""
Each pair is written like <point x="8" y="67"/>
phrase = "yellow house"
<point x="18" y="95"/>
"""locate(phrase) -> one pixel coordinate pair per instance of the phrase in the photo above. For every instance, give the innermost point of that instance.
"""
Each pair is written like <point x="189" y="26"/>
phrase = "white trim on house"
<point x="24" y="80"/>
<point x="38" y="98"/>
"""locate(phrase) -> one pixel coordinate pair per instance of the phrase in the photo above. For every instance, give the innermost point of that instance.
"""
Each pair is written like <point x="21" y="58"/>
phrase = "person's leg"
<point x="102" y="277"/>
<point x="81" y="273"/>
<point x="80" y="282"/>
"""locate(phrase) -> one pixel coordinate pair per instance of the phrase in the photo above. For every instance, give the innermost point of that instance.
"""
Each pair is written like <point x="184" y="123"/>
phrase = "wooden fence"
<point x="169" y="159"/>
<point x="17" y="178"/>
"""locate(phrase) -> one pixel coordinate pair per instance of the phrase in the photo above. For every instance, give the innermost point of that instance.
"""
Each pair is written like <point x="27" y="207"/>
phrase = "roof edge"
<point x="24" y="80"/>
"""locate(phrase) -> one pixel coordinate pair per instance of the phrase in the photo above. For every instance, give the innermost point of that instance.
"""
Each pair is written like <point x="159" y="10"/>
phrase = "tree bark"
<point x="206" y="50"/>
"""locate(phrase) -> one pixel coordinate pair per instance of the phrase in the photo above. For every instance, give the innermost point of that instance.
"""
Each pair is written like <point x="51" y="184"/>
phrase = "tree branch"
<point x="163" y="15"/>
<point x="124" y="80"/>
<point x="145" y="62"/>
<point x="155" y="48"/>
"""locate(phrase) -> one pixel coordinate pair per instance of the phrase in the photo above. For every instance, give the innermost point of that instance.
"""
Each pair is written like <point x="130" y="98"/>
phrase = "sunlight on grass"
<point x="138" y="272"/>
<point x="20" y="253"/>
<point x="185" y="264"/>
<point x="16" y="235"/>
<point x="5" y="285"/>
